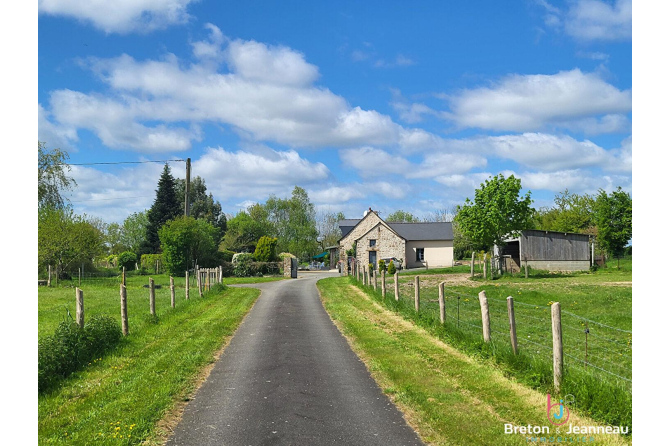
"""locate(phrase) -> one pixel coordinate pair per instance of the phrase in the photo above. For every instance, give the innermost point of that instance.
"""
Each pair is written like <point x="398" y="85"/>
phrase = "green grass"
<point x="448" y="397"/>
<point x="602" y="390"/>
<point x="129" y="391"/>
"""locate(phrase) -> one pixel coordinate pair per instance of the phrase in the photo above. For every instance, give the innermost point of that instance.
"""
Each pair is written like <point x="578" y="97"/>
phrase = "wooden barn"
<point x="546" y="250"/>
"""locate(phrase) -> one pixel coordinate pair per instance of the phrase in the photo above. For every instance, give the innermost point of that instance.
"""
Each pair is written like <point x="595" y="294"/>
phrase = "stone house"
<point x="416" y="245"/>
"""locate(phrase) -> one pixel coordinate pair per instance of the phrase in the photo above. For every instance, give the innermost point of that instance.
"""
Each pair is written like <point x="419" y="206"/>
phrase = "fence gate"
<point x="294" y="268"/>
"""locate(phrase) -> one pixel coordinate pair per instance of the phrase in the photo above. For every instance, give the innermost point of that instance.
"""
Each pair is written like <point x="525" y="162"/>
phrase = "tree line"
<point x="291" y="226"/>
<point x="207" y="236"/>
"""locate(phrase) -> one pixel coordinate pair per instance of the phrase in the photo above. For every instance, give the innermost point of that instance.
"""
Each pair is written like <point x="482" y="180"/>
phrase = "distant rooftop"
<point x="409" y="231"/>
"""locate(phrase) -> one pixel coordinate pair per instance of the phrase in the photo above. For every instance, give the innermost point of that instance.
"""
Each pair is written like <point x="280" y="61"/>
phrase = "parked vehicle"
<point x="396" y="262"/>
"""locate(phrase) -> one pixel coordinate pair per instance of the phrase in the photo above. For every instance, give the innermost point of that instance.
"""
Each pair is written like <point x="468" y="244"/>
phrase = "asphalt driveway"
<point x="289" y="377"/>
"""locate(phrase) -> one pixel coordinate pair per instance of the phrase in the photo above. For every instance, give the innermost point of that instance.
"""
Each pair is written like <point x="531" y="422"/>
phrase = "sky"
<point x="382" y="104"/>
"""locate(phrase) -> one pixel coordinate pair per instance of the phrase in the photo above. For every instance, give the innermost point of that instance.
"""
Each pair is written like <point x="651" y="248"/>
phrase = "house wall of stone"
<point x="436" y="253"/>
<point x="367" y="223"/>
<point x="387" y="244"/>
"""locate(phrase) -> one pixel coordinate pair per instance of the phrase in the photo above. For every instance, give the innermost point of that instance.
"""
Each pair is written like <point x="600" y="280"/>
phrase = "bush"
<point x="382" y="265"/>
<point x="148" y="261"/>
<point x="242" y="264"/>
<point x="391" y="268"/>
<point x="72" y="347"/>
<point x="227" y="256"/>
<point x="127" y="259"/>
<point x="266" y="249"/>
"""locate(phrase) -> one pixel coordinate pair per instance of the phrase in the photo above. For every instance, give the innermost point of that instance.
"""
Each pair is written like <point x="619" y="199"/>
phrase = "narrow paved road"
<point x="289" y="377"/>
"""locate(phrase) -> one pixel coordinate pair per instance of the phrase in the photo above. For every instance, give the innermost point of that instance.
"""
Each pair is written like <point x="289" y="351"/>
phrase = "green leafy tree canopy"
<point x="497" y="213"/>
<point x="186" y="238"/>
<point x="401" y="216"/>
<point x="614" y="217"/>
<point x="51" y="176"/>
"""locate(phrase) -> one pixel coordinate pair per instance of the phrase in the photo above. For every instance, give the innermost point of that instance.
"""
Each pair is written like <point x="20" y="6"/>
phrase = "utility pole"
<point x="188" y="187"/>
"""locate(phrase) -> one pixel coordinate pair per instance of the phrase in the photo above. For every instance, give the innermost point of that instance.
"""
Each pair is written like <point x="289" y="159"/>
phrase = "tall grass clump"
<point x="71" y="347"/>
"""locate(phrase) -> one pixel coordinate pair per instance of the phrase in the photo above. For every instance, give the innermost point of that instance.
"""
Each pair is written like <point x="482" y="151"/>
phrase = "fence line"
<point x="600" y="349"/>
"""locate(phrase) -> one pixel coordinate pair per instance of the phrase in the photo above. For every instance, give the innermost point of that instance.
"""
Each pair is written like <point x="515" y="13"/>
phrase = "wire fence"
<point x="587" y="344"/>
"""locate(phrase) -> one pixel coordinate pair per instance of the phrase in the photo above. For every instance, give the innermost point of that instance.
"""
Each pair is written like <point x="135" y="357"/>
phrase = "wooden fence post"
<point x="374" y="276"/>
<point x="172" y="300"/>
<point x="396" y="286"/>
<point x="79" y="293"/>
<point x="512" y="324"/>
<point x="152" y="297"/>
<point x="79" y="276"/>
<point x="416" y="293"/>
<point x="124" y="310"/>
<point x="366" y="279"/>
<point x="526" y="262"/>
<point x="440" y="298"/>
<point x="383" y="284"/>
<point x="188" y="285"/>
<point x="557" y="334"/>
<point x="200" y="284"/>
<point x="123" y="276"/>
<point x="486" y="322"/>
<point x="472" y="265"/>
<point x="485" y="255"/>
<point x="49" y="279"/>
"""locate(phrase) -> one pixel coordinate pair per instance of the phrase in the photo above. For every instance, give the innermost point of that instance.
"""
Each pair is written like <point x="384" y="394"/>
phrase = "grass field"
<point x="597" y="368"/>
<point x="101" y="296"/>
<point x="448" y="397"/>
<point x="130" y="395"/>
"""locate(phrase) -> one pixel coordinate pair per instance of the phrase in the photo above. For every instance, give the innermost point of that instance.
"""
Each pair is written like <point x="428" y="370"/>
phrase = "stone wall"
<point x="388" y="244"/>
<point x="367" y="223"/>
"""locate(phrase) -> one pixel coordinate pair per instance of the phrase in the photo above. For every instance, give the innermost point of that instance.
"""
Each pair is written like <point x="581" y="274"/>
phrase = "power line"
<point x="122" y="162"/>
<point x="110" y="199"/>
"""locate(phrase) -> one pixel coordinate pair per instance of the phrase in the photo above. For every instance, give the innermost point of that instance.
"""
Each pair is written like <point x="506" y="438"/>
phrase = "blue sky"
<point x="388" y="105"/>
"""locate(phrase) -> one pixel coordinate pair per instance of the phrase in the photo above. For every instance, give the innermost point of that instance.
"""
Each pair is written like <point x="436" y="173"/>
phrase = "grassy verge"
<point x="602" y="389"/>
<point x="447" y="396"/>
<point x="121" y="398"/>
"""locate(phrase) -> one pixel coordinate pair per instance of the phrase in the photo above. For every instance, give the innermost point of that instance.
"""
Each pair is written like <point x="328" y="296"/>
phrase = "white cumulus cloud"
<point x="121" y="16"/>
<point x="533" y="102"/>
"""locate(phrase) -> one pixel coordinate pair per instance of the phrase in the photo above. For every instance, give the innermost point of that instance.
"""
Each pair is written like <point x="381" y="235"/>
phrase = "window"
<point x="373" y="243"/>
<point x="419" y="254"/>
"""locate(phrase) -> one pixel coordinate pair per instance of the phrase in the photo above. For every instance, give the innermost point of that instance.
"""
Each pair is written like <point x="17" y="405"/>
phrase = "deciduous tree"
<point x="401" y="216"/>
<point x="202" y="205"/>
<point x="184" y="239"/>
<point x="614" y="217"/>
<point x="497" y="212"/>
<point x="51" y="176"/>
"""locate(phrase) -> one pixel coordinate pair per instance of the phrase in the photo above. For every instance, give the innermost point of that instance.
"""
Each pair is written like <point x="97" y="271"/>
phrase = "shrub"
<point x="71" y="347"/>
<point x="266" y="249"/>
<point x="391" y="268"/>
<point x="370" y="268"/>
<point x="382" y="265"/>
<point x="127" y="259"/>
<point x="148" y="261"/>
<point x="242" y="264"/>
<point x="227" y="255"/>
<point x="283" y="255"/>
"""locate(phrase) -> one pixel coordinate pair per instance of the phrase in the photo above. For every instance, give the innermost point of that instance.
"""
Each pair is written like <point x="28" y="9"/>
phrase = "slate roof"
<point x="347" y="225"/>
<point x="424" y="231"/>
<point x="409" y="231"/>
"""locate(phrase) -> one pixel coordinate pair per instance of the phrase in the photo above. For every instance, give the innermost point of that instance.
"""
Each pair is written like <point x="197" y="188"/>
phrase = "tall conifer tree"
<point x="165" y="207"/>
